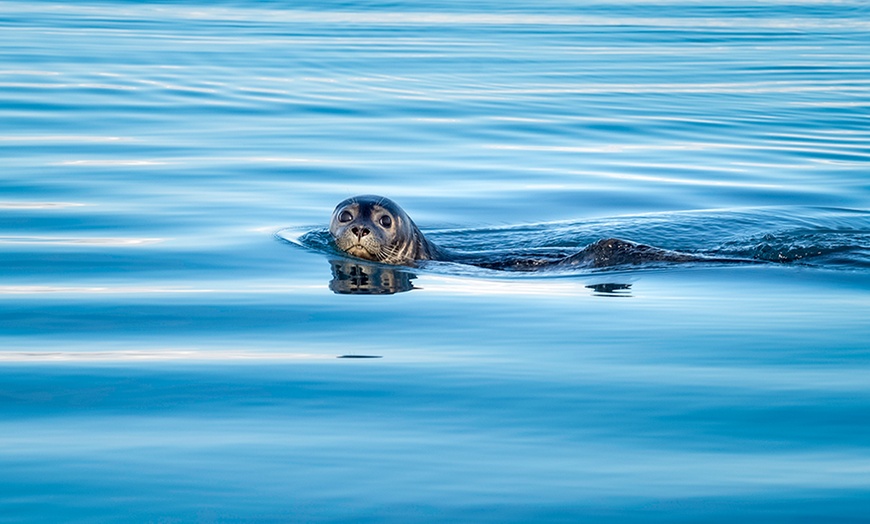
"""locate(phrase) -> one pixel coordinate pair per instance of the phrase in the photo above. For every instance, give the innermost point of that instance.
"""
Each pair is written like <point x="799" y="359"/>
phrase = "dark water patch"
<point x="611" y="290"/>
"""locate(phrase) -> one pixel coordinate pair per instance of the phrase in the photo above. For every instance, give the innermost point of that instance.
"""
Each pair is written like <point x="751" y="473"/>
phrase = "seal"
<point x="375" y="228"/>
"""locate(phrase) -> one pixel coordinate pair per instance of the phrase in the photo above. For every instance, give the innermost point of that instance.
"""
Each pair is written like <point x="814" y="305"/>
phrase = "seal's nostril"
<point x="365" y="231"/>
<point x="360" y="231"/>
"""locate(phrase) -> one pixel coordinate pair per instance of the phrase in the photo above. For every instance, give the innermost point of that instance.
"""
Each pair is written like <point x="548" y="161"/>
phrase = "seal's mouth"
<point x="360" y="252"/>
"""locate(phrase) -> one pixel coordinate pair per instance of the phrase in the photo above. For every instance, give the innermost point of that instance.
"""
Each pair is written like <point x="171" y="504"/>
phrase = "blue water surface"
<point x="169" y="340"/>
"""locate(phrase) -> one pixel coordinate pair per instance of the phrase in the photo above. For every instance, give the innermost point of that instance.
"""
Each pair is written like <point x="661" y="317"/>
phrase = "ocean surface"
<point x="180" y="343"/>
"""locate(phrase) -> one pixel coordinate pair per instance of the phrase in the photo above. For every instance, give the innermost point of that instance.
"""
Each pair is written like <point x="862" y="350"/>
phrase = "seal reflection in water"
<point x="353" y="278"/>
<point x="375" y="228"/>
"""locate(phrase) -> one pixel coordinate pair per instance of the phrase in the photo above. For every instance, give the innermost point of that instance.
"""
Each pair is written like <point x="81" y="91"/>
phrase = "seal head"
<point x="375" y="228"/>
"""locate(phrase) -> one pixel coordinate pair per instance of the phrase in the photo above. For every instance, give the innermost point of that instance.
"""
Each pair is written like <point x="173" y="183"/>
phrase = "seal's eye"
<point x="345" y="216"/>
<point x="385" y="221"/>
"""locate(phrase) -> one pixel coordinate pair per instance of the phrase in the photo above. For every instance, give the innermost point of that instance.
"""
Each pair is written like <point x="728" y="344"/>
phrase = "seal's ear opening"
<point x="354" y="278"/>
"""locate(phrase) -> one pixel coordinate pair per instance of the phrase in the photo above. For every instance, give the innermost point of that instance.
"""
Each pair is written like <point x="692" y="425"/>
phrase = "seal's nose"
<point x="360" y="231"/>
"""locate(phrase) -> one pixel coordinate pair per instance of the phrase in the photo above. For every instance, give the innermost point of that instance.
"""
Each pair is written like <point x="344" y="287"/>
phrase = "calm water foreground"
<point x="169" y="349"/>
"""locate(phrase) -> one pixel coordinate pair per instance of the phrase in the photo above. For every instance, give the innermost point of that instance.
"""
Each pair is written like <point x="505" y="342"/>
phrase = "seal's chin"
<point x="359" y="252"/>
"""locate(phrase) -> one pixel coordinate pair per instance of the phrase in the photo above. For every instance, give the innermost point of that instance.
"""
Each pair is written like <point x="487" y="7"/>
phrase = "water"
<point x="168" y="356"/>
